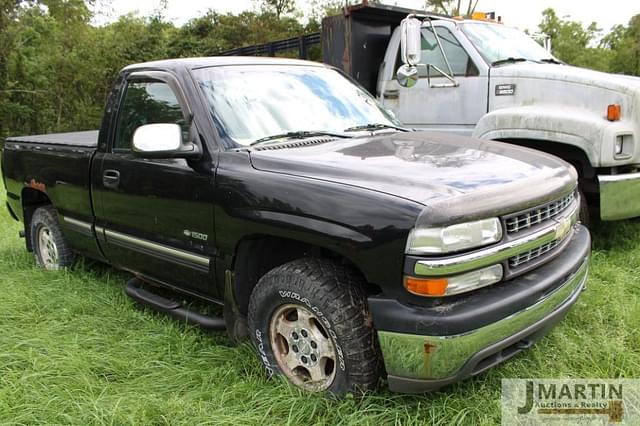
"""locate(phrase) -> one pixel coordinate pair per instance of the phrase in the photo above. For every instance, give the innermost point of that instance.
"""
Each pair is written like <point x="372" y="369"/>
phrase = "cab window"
<point x="461" y="63"/>
<point x="146" y="103"/>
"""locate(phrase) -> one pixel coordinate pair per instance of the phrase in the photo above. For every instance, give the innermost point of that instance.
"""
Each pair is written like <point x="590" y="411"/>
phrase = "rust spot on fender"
<point x="428" y="350"/>
<point x="37" y="185"/>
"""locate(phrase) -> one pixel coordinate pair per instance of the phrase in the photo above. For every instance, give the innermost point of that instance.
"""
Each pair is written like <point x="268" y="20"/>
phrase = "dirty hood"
<point x="461" y="175"/>
<point x="567" y="86"/>
<point x="570" y="74"/>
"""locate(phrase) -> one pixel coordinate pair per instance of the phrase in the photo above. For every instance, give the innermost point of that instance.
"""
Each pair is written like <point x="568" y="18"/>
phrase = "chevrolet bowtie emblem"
<point x="564" y="226"/>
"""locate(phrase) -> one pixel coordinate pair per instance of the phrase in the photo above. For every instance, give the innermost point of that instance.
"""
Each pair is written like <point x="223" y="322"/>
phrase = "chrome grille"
<point x="538" y="215"/>
<point x="528" y="256"/>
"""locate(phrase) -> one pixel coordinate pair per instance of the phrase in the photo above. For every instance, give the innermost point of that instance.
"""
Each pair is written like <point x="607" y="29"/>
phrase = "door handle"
<point x="391" y="94"/>
<point x="111" y="179"/>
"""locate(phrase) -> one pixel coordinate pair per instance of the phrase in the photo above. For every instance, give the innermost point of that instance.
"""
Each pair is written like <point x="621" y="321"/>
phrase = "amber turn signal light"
<point x="426" y="286"/>
<point x="613" y="112"/>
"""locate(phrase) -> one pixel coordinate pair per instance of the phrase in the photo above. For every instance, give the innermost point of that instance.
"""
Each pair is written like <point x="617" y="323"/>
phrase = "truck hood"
<point x="569" y="74"/>
<point x="453" y="174"/>
<point x="565" y="104"/>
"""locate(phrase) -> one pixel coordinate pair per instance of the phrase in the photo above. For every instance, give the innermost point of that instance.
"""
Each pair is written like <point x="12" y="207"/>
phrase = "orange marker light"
<point x="426" y="286"/>
<point x="613" y="112"/>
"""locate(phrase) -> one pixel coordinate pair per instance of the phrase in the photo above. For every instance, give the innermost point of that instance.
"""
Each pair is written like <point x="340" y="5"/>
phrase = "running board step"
<point x="170" y="307"/>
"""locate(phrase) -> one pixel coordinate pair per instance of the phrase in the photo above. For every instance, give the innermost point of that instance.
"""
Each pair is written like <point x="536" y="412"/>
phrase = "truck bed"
<point x="87" y="139"/>
<point x="56" y="166"/>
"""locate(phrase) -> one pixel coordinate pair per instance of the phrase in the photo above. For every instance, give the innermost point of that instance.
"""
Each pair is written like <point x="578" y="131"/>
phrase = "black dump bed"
<point x="354" y="41"/>
<point x="87" y="139"/>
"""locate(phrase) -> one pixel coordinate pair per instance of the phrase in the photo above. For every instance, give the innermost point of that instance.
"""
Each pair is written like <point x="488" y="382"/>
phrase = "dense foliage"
<point x="56" y="66"/>
<point x="618" y="51"/>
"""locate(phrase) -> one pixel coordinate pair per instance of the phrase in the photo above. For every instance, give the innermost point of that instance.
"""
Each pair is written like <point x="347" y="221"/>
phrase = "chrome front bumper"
<point x="619" y="196"/>
<point x="417" y="363"/>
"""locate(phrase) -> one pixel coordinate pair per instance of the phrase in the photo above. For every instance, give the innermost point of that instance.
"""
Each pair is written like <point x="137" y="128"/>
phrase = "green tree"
<point x="278" y="7"/>
<point x="573" y="43"/>
<point x="215" y="32"/>
<point x="625" y="43"/>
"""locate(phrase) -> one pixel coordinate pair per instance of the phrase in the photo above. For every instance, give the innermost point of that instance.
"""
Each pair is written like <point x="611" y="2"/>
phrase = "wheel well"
<point x="258" y="255"/>
<point x="587" y="174"/>
<point x="31" y="200"/>
<point x="569" y="153"/>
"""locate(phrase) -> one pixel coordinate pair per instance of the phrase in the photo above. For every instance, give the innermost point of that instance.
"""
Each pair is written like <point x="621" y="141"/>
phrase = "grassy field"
<point x="75" y="350"/>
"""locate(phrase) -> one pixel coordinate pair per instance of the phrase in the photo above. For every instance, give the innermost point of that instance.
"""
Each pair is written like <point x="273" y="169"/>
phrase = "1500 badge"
<point x="195" y="235"/>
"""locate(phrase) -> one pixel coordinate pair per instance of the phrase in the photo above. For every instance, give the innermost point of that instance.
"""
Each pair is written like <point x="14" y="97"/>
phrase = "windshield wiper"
<point x="301" y="134"/>
<point x="510" y="60"/>
<point x="374" y="126"/>
<point x="551" y="61"/>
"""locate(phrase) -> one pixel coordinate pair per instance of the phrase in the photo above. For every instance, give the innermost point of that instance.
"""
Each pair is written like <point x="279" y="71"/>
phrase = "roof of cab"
<point x="214" y="61"/>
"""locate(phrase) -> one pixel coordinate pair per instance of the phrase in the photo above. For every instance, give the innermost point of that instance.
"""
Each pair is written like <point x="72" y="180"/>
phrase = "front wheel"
<point x="310" y="323"/>
<point x="50" y="247"/>
<point x="584" y="215"/>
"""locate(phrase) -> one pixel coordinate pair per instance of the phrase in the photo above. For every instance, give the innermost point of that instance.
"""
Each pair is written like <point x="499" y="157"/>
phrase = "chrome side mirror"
<point x="407" y="75"/>
<point x="162" y="140"/>
<point x="410" y="41"/>
<point x="410" y="51"/>
<point x="155" y="138"/>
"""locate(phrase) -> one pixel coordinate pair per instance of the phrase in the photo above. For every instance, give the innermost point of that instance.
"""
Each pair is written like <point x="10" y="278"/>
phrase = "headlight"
<point x="454" y="238"/>
<point x="623" y="147"/>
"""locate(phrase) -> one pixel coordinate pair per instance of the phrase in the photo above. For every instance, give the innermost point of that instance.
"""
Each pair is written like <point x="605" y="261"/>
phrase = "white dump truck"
<point x="482" y="78"/>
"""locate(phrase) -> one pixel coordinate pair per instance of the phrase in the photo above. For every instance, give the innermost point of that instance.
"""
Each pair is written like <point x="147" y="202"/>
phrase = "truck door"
<point x="454" y="109"/>
<point x="154" y="216"/>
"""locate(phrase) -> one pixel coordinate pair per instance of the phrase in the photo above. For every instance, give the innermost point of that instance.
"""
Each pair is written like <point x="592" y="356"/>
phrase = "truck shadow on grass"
<point x="616" y="236"/>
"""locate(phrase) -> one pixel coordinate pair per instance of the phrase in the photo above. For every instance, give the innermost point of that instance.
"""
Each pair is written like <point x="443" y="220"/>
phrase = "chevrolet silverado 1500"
<point x="347" y="247"/>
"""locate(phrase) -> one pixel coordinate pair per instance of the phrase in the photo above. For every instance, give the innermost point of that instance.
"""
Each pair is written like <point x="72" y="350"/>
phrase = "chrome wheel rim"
<point x="302" y="347"/>
<point x="47" y="249"/>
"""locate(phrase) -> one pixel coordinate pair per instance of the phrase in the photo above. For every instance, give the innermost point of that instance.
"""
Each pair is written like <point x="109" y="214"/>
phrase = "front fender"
<point x="366" y="227"/>
<point x="589" y="132"/>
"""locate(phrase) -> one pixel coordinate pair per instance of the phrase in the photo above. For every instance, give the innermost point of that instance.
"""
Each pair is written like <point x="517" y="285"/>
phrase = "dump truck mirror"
<point x="407" y="75"/>
<point x="410" y="41"/>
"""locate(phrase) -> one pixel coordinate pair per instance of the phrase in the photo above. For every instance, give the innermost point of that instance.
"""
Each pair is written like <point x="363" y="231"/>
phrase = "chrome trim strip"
<point x="99" y="232"/>
<point x="85" y="226"/>
<point x="619" y="196"/>
<point x="491" y="255"/>
<point x="404" y="354"/>
<point x="160" y="249"/>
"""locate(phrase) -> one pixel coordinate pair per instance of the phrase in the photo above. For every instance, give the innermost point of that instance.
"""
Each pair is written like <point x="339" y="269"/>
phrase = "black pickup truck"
<point x="347" y="247"/>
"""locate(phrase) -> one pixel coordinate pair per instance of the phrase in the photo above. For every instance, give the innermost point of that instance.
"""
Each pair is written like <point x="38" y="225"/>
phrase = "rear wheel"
<point x="310" y="323"/>
<point x="50" y="247"/>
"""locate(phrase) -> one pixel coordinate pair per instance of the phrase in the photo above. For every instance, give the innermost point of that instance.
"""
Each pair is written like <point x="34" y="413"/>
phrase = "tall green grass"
<point x="75" y="350"/>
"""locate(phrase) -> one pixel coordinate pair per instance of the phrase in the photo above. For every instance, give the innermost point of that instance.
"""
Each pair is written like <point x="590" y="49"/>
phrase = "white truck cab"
<point x="491" y="81"/>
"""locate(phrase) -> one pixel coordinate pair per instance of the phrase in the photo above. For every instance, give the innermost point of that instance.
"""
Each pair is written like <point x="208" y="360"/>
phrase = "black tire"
<point x="333" y="294"/>
<point x="583" y="214"/>
<point x="44" y="221"/>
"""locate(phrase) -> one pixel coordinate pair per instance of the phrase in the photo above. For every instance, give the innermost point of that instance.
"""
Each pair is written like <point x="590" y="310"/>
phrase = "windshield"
<point x="254" y="102"/>
<point x="499" y="43"/>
